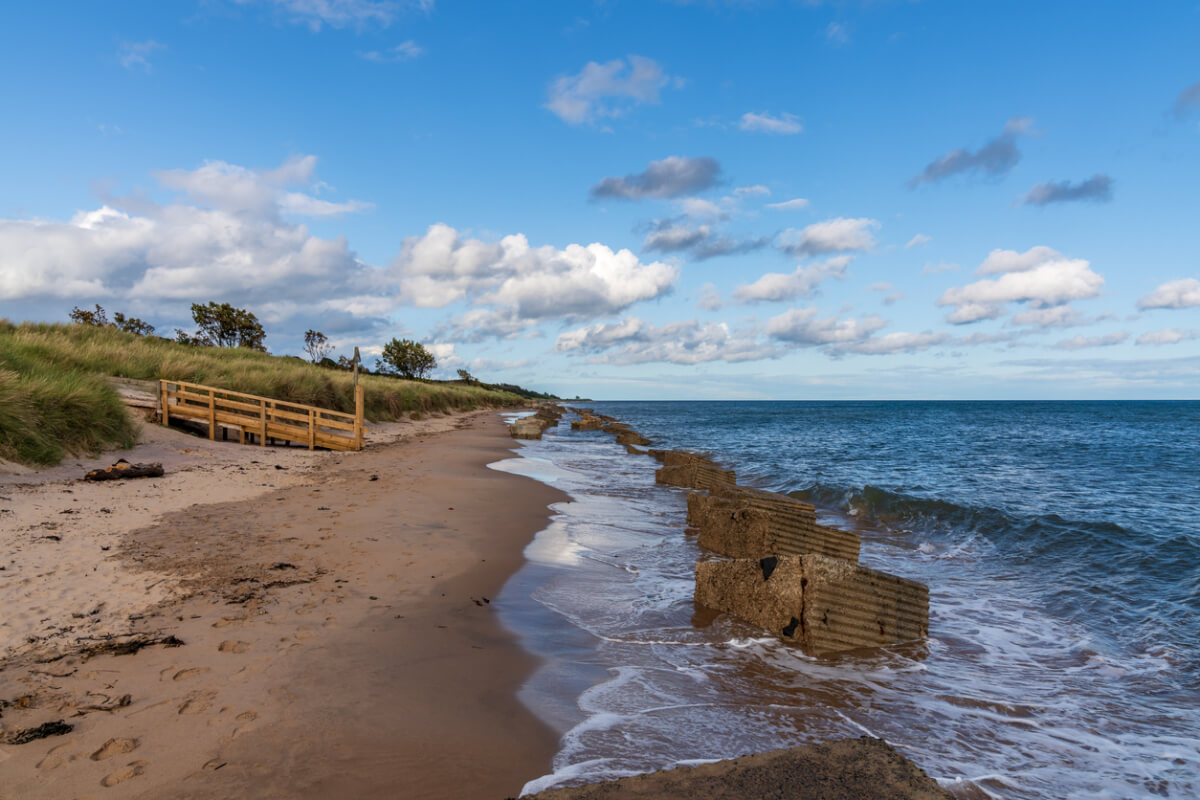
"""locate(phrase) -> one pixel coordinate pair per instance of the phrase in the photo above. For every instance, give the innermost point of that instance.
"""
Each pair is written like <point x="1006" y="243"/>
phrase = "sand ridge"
<point x="337" y="628"/>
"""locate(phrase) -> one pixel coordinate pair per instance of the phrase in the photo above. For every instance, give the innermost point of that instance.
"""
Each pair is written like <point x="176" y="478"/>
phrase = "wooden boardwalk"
<point x="261" y="418"/>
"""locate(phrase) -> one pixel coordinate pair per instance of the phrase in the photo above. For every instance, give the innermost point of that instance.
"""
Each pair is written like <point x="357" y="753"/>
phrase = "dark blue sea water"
<point x="1060" y="542"/>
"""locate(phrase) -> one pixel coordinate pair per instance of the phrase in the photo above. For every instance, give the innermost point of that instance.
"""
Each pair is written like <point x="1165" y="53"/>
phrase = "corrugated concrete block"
<point x="631" y="437"/>
<point x="792" y="527"/>
<point x="586" y="424"/>
<point x="527" y="428"/>
<point x="694" y="475"/>
<point x="826" y="605"/>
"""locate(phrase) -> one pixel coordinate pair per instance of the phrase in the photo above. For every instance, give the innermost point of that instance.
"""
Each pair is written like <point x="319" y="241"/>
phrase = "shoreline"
<point x="336" y="635"/>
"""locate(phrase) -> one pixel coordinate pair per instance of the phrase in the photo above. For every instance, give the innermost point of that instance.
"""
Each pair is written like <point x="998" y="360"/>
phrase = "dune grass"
<point x="54" y="399"/>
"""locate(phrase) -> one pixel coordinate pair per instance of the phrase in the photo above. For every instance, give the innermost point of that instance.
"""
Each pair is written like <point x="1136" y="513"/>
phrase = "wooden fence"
<point x="263" y="418"/>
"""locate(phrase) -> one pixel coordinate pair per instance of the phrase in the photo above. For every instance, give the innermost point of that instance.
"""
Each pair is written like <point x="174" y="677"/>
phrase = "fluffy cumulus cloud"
<point x="634" y="341"/>
<point x="1039" y="278"/>
<point x="996" y="157"/>
<point x="1096" y="189"/>
<point x="1081" y="342"/>
<point x="1183" y="293"/>
<point x="839" y="235"/>
<point x="232" y="240"/>
<point x="779" y="286"/>
<point x="606" y="90"/>
<point x="1168" y="336"/>
<point x="783" y="124"/>
<point x="518" y="281"/>
<point x="673" y="176"/>
<point x="805" y="327"/>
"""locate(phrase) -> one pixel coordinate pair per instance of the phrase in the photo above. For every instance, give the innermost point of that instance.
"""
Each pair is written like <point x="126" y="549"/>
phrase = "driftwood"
<point x="123" y="469"/>
<point x="56" y="728"/>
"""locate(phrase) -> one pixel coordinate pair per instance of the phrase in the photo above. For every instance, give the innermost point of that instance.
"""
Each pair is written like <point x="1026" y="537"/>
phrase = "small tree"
<point x="408" y="358"/>
<point x="95" y="318"/>
<point x="226" y="326"/>
<point x="467" y="377"/>
<point x="317" y="345"/>
<point x="132" y="324"/>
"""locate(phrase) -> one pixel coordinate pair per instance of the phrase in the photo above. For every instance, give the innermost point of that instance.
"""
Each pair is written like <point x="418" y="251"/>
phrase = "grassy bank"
<point x="54" y="400"/>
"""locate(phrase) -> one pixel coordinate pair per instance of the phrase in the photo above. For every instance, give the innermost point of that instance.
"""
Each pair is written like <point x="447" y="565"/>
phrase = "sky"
<point x="620" y="199"/>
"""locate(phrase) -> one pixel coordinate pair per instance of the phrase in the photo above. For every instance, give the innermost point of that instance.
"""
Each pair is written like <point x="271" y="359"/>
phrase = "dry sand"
<point x="335" y="610"/>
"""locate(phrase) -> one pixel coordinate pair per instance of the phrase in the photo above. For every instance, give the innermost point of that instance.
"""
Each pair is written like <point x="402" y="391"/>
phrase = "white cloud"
<point x="1081" y="342"/>
<point x="1063" y="316"/>
<point x="758" y="190"/>
<point x="777" y="286"/>
<point x="1168" y="336"/>
<point x="802" y="326"/>
<point x="672" y="176"/>
<point x="236" y="246"/>
<point x="405" y="51"/>
<point x="606" y="90"/>
<point x="1183" y="293"/>
<point x="784" y="124"/>
<point x="837" y="235"/>
<point x="700" y="208"/>
<point x="1040" y="277"/>
<point x="635" y="341"/>
<point x="136" y="54"/>
<point x="789" y="205"/>
<point x="1000" y="261"/>
<point x="996" y="157"/>
<point x="535" y="283"/>
<point x="917" y="241"/>
<point x="837" y="34"/>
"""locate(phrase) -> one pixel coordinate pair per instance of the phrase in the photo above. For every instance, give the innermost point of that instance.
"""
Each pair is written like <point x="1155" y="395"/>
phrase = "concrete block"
<point x="527" y="428"/>
<point x="791" y="524"/>
<point x="825" y="605"/>
<point x="695" y="475"/>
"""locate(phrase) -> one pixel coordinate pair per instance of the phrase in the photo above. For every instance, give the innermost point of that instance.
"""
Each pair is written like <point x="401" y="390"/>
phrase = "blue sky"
<point x="777" y="200"/>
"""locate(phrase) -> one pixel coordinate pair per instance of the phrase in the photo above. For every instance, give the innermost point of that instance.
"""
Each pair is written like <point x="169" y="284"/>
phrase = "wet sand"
<point x="338" y="633"/>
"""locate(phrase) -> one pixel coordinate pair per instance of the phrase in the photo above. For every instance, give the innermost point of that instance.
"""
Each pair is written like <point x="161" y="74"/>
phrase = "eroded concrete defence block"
<point x="527" y="428"/>
<point x="739" y="522"/>
<point x="824" y="604"/>
<point x="696" y="475"/>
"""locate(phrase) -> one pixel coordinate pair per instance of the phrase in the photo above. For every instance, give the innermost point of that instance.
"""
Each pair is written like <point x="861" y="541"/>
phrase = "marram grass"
<point x="54" y="400"/>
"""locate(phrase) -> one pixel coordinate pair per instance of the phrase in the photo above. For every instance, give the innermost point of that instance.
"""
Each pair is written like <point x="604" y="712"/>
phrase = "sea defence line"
<point x="777" y="567"/>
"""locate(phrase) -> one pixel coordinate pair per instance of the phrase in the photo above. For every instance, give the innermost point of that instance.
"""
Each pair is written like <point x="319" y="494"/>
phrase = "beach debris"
<point x="823" y="604"/>
<point x="691" y="471"/>
<point x="740" y="522"/>
<point x="117" y="647"/>
<point x="27" y="735"/>
<point x="587" y="422"/>
<point x="123" y="469"/>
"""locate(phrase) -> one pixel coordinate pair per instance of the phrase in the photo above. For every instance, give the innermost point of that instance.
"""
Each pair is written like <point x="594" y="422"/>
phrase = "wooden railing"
<point x="262" y="418"/>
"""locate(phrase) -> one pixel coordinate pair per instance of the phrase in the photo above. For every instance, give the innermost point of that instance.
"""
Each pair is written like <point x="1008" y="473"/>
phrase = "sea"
<point x="1060" y="542"/>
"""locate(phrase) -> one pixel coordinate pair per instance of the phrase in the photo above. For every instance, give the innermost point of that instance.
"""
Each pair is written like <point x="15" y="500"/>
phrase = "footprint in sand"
<point x="197" y="704"/>
<point x="132" y="770"/>
<point x="233" y="647"/>
<point x="191" y="672"/>
<point x="114" y="747"/>
<point x="247" y="716"/>
<point x="57" y="756"/>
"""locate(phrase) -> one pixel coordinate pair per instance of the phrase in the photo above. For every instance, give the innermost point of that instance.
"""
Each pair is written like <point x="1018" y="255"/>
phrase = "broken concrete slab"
<point x="741" y="522"/>
<point x="527" y="428"/>
<point x="825" y="605"/>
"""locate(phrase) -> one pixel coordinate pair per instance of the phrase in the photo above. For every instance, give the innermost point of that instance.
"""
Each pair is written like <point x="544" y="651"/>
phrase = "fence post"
<point x="212" y="415"/>
<point x="312" y="429"/>
<point x="262" y="422"/>
<point x="165" y="417"/>
<point x="358" y="416"/>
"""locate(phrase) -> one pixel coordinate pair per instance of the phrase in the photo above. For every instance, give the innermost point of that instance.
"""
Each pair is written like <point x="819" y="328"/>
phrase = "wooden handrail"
<point x="297" y="422"/>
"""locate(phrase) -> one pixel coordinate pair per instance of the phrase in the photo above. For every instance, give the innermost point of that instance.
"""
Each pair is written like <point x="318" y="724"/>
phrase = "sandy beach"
<point x="332" y="621"/>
